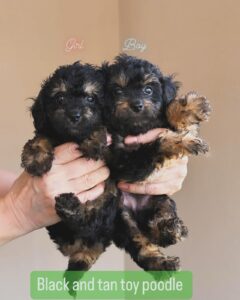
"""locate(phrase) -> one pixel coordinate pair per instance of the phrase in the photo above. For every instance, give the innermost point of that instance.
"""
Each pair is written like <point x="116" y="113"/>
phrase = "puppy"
<point x="138" y="97"/>
<point x="68" y="109"/>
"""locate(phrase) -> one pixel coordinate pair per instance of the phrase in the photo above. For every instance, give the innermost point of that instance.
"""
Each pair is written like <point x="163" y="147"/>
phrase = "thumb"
<point x="145" y="138"/>
<point x="65" y="153"/>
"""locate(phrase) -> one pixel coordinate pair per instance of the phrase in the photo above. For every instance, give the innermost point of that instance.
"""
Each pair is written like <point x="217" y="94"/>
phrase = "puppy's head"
<point x="136" y="94"/>
<point x="68" y="105"/>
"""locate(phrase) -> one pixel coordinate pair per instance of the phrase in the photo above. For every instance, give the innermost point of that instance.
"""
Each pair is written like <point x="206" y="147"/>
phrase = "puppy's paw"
<point x="97" y="152"/>
<point x="188" y="110"/>
<point x="160" y="263"/>
<point x="196" y="108"/>
<point x="94" y="149"/>
<point x="171" y="231"/>
<point x="195" y="146"/>
<point x="67" y="205"/>
<point x="37" y="156"/>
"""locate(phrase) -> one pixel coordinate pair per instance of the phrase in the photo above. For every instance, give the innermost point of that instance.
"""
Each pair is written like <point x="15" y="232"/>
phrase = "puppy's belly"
<point x="135" y="201"/>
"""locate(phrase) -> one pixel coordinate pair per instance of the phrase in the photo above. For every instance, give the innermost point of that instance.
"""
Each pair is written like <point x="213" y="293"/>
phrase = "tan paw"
<point x="188" y="110"/>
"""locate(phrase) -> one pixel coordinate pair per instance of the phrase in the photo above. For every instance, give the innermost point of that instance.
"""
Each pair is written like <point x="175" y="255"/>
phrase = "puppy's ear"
<point x="38" y="113"/>
<point x="105" y="69"/>
<point x="170" y="88"/>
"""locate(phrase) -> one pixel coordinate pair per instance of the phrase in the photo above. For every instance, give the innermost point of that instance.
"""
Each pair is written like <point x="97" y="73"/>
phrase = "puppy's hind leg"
<point x="164" y="226"/>
<point x="81" y="260"/>
<point x="146" y="254"/>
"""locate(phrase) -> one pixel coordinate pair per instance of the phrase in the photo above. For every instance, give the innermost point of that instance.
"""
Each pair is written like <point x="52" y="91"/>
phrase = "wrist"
<point x="14" y="210"/>
<point x="10" y="227"/>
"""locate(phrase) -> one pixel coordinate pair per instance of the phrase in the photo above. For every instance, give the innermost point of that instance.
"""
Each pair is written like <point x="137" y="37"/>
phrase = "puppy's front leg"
<point x="177" y="144"/>
<point x="185" y="112"/>
<point x="37" y="156"/>
<point x="95" y="147"/>
<point x="70" y="210"/>
<point x="86" y="217"/>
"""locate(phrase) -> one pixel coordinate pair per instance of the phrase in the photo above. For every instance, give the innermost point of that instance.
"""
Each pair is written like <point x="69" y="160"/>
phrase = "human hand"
<point x="30" y="203"/>
<point x="167" y="179"/>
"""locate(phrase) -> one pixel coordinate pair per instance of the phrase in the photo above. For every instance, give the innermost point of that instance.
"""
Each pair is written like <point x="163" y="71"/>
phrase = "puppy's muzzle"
<point x="137" y="106"/>
<point x="74" y="116"/>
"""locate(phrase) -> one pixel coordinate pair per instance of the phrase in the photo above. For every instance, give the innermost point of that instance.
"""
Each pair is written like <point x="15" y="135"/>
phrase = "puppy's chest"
<point x="131" y="164"/>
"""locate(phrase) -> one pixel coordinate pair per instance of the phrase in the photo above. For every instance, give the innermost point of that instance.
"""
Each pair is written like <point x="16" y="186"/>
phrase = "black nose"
<point x="75" y="116"/>
<point x="137" y="106"/>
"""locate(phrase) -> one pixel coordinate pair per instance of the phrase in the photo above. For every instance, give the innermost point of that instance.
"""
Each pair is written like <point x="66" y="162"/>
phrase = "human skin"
<point x="166" y="180"/>
<point x="29" y="204"/>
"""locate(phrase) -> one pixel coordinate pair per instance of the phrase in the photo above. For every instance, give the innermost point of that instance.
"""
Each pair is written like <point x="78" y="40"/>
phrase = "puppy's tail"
<point x="77" y="266"/>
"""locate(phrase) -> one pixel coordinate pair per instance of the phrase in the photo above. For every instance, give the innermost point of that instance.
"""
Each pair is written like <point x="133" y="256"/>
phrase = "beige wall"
<point x="200" y="41"/>
<point x="32" y="44"/>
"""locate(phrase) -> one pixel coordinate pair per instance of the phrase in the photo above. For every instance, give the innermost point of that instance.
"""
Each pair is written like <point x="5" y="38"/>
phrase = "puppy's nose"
<point x="137" y="106"/>
<point x="74" y="116"/>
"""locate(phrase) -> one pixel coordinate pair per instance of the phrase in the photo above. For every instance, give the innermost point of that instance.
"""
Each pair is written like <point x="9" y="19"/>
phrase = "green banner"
<point x="111" y="285"/>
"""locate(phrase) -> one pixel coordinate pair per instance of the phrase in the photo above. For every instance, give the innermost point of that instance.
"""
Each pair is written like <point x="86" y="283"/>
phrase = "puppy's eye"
<point x="60" y="99"/>
<point x="147" y="90"/>
<point x="90" y="99"/>
<point x="118" y="91"/>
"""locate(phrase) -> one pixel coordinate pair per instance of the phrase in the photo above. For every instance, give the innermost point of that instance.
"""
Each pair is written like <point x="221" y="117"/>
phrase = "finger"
<point x="141" y="188"/>
<point x="148" y="137"/>
<point x="66" y="153"/>
<point x="109" y="139"/>
<point x="91" y="194"/>
<point x="80" y="167"/>
<point x="150" y="188"/>
<point x="89" y="180"/>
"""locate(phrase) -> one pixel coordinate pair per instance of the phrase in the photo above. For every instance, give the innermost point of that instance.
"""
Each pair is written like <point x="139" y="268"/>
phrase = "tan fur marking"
<point x="147" y="248"/>
<point x="123" y="104"/>
<point x="88" y="255"/>
<point x="41" y="149"/>
<point x="121" y="80"/>
<point x="69" y="250"/>
<point x="151" y="250"/>
<point x="91" y="88"/>
<point x="148" y="104"/>
<point x="59" y="88"/>
<point x="88" y="113"/>
<point x="189" y="110"/>
<point x="174" y="144"/>
<point x="149" y="78"/>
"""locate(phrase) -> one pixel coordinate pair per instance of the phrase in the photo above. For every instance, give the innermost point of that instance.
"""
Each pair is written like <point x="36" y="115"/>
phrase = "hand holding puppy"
<point x="165" y="180"/>
<point x="30" y="203"/>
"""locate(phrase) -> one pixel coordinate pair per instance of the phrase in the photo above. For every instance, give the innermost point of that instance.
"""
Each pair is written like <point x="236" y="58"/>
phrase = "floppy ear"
<point x="104" y="73"/>
<point x="38" y="113"/>
<point x="170" y="88"/>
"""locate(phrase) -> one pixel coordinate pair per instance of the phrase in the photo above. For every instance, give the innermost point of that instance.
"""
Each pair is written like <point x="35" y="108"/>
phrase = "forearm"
<point x="10" y="229"/>
<point x="6" y="180"/>
<point x="16" y="210"/>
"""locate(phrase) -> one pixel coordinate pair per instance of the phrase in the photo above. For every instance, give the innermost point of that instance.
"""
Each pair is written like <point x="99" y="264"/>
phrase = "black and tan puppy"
<point x="139" y="98"/>
<point x="67" y="109"/>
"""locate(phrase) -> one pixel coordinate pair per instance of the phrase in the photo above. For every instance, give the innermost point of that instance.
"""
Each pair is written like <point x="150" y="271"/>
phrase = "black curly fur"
<point x="137" y="97"/>
<point x="76" y="104"/>
<point x="68" y="109"/>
